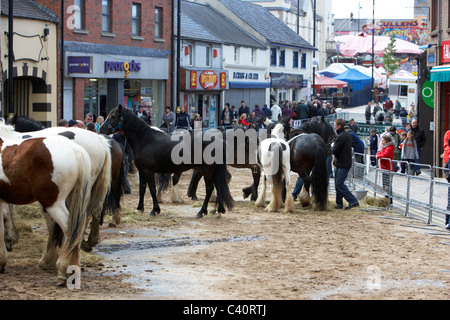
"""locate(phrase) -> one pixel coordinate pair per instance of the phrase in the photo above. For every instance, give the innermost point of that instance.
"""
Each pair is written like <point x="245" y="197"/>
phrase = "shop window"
<point x="90" y="96"/>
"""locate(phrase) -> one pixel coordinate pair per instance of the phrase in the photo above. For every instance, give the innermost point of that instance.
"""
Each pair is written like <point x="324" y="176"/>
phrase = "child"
<point x="402" y="138"/>
<point x="409" y="150"/>
<point x="373" y="146"/>
<point x="386" y="156"/>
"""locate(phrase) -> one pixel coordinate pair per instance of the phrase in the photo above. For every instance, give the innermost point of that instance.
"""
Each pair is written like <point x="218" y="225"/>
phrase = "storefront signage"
<point x="208" y="79"/>
<point x="193" y="80"/>
<point x="79" y="64"/>
<point x="446" y="51"/>
<point x="127" y="67"/>
<point x="223" y="80"/>
<point x="245" y="75"/>
<point x="286" y="80"/>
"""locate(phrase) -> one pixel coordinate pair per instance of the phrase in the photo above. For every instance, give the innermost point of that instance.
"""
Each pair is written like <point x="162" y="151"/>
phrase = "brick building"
<point x="436" y="78"/>
<point x="115" y="52"/>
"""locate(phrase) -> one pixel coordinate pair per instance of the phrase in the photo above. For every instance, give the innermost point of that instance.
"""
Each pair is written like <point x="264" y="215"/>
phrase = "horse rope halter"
<point x="116" y="128"/>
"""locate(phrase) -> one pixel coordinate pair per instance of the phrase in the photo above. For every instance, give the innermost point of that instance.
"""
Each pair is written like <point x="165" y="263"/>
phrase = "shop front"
<point x="202" y="92"/>
<point x="249" y="86"/>
<point x="287" y="86"/>
<point x="96" y="83"/>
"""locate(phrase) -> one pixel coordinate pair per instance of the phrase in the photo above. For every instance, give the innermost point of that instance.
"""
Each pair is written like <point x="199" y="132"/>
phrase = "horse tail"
<point x="102" y="184"/>
<point x="221" y="179"/>
<point x="78" y="199"/>
<point x="319" y="178"/>
<point x="112" y="199"/>
<point x="277" y="177"/>
<point x="163" y="181"/>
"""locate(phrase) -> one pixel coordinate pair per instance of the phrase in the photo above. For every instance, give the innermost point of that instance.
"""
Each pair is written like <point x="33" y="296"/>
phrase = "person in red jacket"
<point x="386" y="157"/>
<point x="447" y="166"/>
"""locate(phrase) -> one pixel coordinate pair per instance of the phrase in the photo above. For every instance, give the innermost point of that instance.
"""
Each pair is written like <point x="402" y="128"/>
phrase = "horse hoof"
<point x="139" y="210"/>
<point x="199" y="215"/>
<point x="61" y="282"/>
<point x="86" y="247"/>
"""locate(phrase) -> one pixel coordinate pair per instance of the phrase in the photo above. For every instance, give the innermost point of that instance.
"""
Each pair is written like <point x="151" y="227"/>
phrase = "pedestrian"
<point x="276" y="112"/>
<point x="368" y="112"/>
<point x="267" y="112"/>
<point x="63" y="123"/>
<point x="234" y="113"/>
<point x="302" y="110"/>
<point x="358" y="149"/>
<point x="373" y="145"/>
<point x="89" y="118"/>
<point x="226" y="117"/>
<point x="353" y="126"/>
<point x="286" y="111"/>
<point x="99" y="122"/>
<point x="397" y="140"/>
<point x="402" y="139"/>
<point x="91" y="127"/>
<point x="243" y="109"/>
<point x="419" y="136"/>
<point x="376" y="108"/>
<point x="389" y="116"/>
<point x="168" y="120"/>
<point x="142" y="114"/>
<point x="342" y="151"/>
<point x="258" y="112"/>
<point x="409" y="151"/>
<point x="403" y="115"/>
<point x="243" y="120"/>
<point x="397" y="108"/>
<point x="388" y="105"/>
<point x="412" y="111"/>
<point x="447" y="175"/>
<point x="386" y="156"/>
<point x="182" y="120"/>
<point x="72" y="123"/>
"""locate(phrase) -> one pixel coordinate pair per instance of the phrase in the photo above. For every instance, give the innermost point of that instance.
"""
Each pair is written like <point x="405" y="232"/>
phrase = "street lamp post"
<point x="373" y="45"/>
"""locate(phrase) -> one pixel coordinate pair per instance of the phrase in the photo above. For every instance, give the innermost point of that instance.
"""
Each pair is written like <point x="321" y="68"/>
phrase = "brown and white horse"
<point x="55" y="172"/>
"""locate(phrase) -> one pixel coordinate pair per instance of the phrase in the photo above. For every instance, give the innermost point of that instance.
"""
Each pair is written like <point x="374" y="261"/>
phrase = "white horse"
<point x="274" y="157"/>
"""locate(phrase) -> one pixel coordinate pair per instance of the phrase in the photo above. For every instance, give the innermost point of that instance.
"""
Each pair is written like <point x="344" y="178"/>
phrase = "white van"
<point x="403" y="87"/>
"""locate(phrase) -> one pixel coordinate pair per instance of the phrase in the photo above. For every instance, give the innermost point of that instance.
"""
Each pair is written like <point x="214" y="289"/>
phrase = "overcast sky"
<point x="384" y="9"/>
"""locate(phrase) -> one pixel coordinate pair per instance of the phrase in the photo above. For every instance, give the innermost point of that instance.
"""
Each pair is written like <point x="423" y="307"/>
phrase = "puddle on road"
<point x="149" y="264"/>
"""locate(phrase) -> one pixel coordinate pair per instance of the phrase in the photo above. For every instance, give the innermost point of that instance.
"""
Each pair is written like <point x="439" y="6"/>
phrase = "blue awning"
<point x="248" y="85"/>
<point x="440" y="73"/>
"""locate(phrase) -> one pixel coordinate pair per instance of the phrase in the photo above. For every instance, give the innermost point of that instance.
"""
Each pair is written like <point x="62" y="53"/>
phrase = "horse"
<point x="156" y="152"/>
<point x="274" y="156"/>
<point x="309" y="147"/>
<point x="244" y="147"/>
<point x="104" y="194"/>
<point x="56" y="173"/>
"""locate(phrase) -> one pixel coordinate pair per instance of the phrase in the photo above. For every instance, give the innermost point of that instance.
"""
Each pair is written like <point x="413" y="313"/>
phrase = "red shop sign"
<point x="446" y="51"/>
<point x="208" y="79"/>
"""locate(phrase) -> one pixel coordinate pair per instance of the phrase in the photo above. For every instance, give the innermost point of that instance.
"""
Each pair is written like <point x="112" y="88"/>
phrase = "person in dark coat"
<point x="243" y="109"/>
<point x="267" y="112"/>
<point x="258" y="112"/>
<point x="419" y="136"/>
<point x="342" y="151"/>
<point x="302" y="110"/>
<point x="368" y="112"/>
<point x="182" y="120"/>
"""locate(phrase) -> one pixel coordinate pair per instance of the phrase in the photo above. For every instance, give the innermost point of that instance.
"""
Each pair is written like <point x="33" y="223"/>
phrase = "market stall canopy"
<point x="323" y="82"/>
<point x="351" y="45"/>
<point x="335" y="69"/>
<point x="355" y="78"/>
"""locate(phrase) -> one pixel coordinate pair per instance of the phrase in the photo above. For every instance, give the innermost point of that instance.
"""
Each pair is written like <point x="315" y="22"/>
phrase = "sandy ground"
<point x="359" y="254"/>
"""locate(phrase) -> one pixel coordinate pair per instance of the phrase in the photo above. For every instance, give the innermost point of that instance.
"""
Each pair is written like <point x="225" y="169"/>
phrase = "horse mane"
<point x="25" y="124"/>
<point x="140" y="125"/>
<point x="278" y="131"/>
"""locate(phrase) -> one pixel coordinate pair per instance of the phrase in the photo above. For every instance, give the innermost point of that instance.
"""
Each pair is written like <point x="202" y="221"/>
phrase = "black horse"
<point x="309" y="147"/>
<point x="154" y="153"/>
<point x="244" y="147"/>
<point x="111" y="204"/>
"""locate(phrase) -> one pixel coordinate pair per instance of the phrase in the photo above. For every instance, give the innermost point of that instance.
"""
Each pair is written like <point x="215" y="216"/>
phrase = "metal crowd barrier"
<point x="424" y="197"/>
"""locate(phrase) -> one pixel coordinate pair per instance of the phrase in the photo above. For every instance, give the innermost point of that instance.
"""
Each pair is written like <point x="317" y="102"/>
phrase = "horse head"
<point x="113" y="121"/>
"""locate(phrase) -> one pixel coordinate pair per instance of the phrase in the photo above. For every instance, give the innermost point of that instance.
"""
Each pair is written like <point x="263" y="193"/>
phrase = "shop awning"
<point x="440" y="73"/>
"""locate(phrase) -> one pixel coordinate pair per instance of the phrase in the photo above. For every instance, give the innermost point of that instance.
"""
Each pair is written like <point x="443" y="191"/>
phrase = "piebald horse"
<point x="274" y="156"/>
<point x="98" y="148"/>
<point x="56" y="173"/>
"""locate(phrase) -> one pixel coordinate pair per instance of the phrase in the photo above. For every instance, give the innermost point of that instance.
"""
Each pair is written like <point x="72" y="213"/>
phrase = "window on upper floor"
<point x="158" y="22"/>
<point x="295" y="59"/>
<point x="78" y="14"/>
<point x="208" y="56"/>
<point x="253" y="57"/>
<point x="236" y="55"/>
<point x="189" y="52"/>
<point x="136" y="19"/>
<point x="303" y="64"/>
<point x="282" y="60"/>
<point x="106" y="16"/>
<point x="273" y="56"/>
